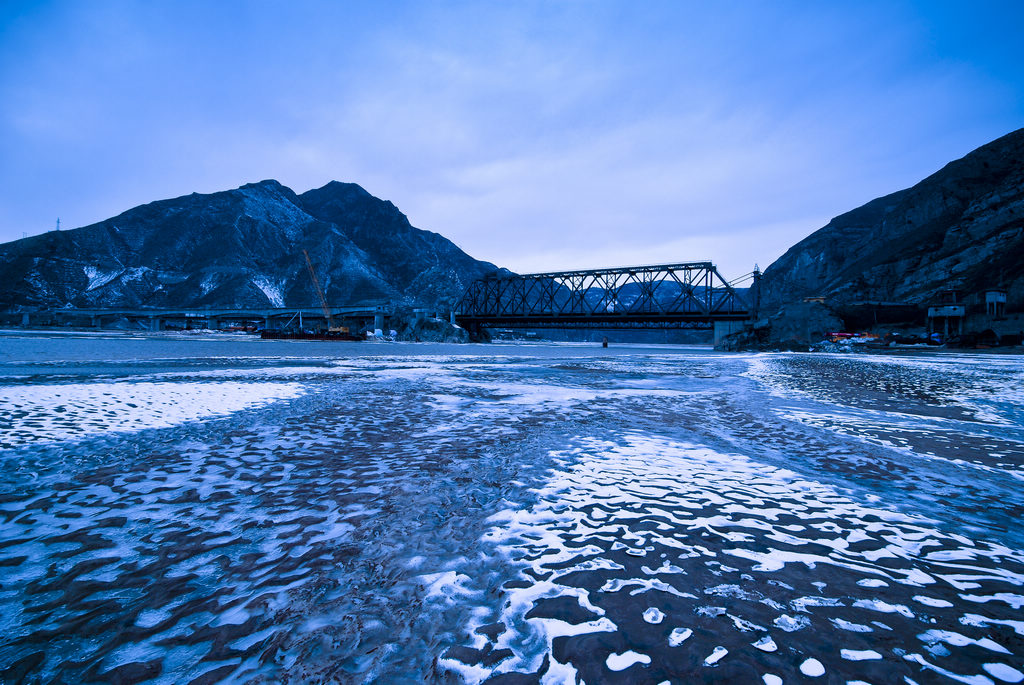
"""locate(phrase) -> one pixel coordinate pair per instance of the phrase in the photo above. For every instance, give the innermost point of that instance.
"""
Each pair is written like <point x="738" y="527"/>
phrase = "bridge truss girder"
<point x="691" y="294"/>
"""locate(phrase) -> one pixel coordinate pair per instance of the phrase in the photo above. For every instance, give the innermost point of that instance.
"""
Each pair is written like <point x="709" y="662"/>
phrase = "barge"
<point x="343" y="336"/>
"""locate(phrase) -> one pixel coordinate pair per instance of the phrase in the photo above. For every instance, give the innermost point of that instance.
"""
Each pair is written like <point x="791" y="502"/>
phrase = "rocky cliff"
<point x="962" y="226"/>
<point x="242" y="248"/>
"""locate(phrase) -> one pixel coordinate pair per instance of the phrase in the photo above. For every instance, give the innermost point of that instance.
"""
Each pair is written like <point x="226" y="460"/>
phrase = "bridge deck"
<point x="213" y="312"/>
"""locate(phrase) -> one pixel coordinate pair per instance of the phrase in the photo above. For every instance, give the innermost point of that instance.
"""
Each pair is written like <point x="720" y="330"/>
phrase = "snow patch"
<point x="620" y="662"/>
<point x="271" y="289"/>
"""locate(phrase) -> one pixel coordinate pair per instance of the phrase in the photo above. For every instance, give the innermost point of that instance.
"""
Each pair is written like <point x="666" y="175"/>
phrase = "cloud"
<point x="530" y="133"/>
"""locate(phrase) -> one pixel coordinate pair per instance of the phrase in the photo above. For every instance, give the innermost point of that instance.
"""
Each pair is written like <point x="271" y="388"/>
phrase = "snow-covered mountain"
<point x="241" y="248"/>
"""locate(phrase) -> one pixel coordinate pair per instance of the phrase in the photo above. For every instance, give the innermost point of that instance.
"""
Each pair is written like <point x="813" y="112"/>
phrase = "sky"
<point x="538" y="135"/>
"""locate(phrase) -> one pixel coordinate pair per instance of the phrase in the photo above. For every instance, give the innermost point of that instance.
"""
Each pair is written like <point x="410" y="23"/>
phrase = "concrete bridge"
<point x="212" y="318"/>
<point x="682" y="295"/>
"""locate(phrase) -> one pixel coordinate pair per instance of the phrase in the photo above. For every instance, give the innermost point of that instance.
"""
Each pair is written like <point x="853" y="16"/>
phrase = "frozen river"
<point x="206" y="510"/>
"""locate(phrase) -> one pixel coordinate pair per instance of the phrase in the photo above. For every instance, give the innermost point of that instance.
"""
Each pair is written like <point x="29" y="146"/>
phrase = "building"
<point x="946" y="316"/>
<point x="995" y="303"/>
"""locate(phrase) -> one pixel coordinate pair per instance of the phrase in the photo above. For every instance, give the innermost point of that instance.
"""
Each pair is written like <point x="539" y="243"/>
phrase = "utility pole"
<point x="756" y="288"/>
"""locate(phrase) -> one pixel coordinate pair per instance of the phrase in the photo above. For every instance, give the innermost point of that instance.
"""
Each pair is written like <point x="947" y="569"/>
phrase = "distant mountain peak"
<point x="266" y="183"/>
<point x="344" y="187"/>
<point x="341" y="195"/>
<point x="268" y="187"/>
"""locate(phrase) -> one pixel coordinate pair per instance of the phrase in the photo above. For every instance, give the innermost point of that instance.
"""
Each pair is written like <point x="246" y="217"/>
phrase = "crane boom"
<point x="319" y="292"/>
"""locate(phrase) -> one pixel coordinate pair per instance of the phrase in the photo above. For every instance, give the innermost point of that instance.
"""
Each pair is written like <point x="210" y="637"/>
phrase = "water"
<point x="229" y="509"/>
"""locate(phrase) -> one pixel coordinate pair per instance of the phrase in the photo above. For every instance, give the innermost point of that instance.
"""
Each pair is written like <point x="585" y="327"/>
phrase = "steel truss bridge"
<point x="685" y="295"/>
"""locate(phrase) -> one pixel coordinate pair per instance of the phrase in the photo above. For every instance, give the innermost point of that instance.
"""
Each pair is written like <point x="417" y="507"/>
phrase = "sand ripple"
<point x="753" y="571"/>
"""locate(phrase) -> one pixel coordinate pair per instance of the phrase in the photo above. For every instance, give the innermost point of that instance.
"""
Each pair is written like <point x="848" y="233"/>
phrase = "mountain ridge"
<point x="962" y="226"/>
<point x="240" y="247"/>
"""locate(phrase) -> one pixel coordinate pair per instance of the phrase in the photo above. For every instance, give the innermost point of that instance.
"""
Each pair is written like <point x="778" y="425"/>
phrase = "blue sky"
<point x="537" y="135"/>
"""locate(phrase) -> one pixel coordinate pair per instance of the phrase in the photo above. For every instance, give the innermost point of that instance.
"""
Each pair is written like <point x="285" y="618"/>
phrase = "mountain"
<point x="961" y="227"/>
<point x="240" y="248"/>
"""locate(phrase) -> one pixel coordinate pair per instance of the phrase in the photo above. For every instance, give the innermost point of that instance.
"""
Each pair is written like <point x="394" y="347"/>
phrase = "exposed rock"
<point x="805" y="322"/>
<point x="121" y="324"/>
<point x="419" y="263"/>
<point x="795" y="327"/>
<point x="240" y="248"/>
<point x="433" y="330"/>
<point x="962" y="226"/>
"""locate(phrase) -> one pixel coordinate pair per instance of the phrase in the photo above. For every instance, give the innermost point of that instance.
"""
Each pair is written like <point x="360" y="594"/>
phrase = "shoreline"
<point x="211" y="335"/>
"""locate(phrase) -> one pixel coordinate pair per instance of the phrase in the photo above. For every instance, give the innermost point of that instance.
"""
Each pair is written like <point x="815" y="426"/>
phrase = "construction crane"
<point x="319" y="293"/>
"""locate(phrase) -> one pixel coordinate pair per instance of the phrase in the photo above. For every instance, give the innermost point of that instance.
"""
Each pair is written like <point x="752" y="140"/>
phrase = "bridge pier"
<point x="25" y="319"/>
<point x="156" y="324"/>
<point x="724" y="328"/>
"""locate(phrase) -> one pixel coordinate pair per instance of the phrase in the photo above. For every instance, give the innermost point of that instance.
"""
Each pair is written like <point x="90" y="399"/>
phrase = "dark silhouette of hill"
<point x="241" y="248"/>
<point x="961" y="227"/>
